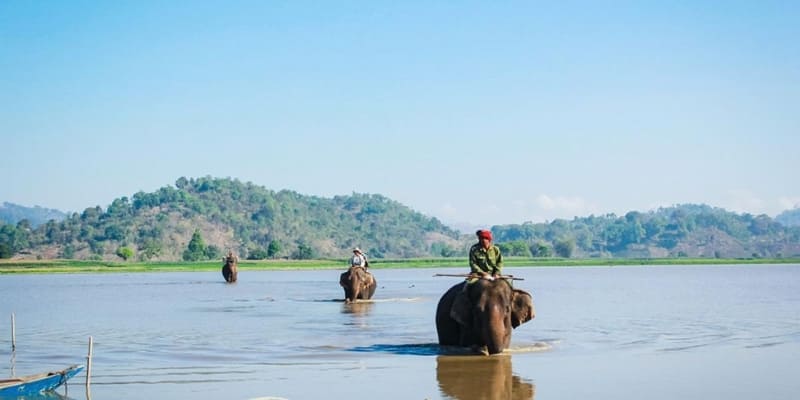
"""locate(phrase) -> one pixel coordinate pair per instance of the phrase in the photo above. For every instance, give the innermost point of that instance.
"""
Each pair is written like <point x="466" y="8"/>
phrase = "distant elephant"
<point x="230" y="271"/>
<point x="483" y="314"/>
<point x="357" y="284"/>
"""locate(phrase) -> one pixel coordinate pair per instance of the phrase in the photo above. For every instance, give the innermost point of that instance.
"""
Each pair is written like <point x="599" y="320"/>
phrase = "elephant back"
<point x="230" y="271"/>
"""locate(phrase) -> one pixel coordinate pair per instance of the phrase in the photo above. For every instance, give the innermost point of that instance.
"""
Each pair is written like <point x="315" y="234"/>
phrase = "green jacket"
<point x="485" y="260"/>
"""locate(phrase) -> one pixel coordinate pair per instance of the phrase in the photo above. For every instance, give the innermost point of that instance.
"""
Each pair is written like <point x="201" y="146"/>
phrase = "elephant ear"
<point x="462" y="309"/>
<point x="522" y="309"/>
<point x="367" y="280"/>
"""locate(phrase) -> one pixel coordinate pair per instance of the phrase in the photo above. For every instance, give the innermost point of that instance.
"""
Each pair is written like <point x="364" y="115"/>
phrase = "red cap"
<point x="484" y="234"/>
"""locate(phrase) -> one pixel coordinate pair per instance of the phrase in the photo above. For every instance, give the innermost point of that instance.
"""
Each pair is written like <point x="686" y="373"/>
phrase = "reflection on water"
<point x="478" y="377"/>
<point x="359" y="311"/>
<point x="357" y="307"/>
<point x="51" y="395"/>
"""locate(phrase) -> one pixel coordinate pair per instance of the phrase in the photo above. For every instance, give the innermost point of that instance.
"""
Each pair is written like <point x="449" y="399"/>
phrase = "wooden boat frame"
<point x="33" y="384"/>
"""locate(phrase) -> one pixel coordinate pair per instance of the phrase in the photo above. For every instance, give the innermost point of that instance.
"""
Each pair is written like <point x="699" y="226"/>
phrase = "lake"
<point x="654" y="332"/>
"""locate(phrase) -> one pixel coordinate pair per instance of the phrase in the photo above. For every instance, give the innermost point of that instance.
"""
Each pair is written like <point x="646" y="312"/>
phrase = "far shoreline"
<point x="82" y="266"/>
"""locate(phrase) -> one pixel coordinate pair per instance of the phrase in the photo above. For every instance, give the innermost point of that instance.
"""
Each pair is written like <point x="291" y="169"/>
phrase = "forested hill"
<point x="200" y="219"/>
<point x="205" y="217"/>
<point x="680" y="231"/>
<point x="789" y="217"/>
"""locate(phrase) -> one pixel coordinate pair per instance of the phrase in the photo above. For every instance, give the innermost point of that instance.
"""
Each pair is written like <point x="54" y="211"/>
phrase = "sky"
<point x="476" y="113"/>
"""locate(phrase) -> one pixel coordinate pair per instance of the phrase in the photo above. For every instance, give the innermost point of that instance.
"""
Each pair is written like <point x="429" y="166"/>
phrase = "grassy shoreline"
<point x="78" y="266"/>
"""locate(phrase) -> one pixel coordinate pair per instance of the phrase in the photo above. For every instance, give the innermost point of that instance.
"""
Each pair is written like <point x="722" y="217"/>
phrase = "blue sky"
<point x="476" y="113"/>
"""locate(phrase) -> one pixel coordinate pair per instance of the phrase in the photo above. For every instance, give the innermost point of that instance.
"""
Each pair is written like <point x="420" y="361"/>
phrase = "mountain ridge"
<point x="12" y="213"/>
<point x="221" y="214"/>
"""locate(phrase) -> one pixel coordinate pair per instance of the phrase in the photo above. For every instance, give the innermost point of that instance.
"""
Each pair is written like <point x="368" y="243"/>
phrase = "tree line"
<point x="688" y="230"/>
<point x="203" y="218"/>
<point x="226" y="214"/>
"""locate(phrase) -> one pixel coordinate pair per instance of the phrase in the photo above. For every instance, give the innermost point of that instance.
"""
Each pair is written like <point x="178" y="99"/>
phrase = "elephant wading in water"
<point x="357" y="284"/>
<point x="230" y="270"/>
<point x="483" y="314"/>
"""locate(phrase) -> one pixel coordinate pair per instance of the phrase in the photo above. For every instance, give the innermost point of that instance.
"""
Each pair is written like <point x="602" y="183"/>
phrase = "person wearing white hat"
<point x="359" y="259"/>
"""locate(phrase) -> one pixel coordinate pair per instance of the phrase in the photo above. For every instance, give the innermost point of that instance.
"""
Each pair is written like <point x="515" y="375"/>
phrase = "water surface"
<point x="656" y="332"/>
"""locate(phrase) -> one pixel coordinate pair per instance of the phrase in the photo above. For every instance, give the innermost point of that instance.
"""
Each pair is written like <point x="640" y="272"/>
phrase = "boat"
<point x="34" y="384"/>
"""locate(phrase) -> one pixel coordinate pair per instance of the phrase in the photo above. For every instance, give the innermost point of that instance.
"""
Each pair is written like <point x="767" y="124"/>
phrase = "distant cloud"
<point x="468" y="214"/>
<point x="742" y="201"/>
<point x="448" y="212"/>
<point x="466" y="219"/>
<point x="540" y="209"/>
<point x="564" y="206"/>
<point x="789" y="203"/>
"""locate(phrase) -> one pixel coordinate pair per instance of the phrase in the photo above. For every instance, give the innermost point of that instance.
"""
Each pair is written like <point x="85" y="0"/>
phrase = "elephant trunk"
<point x="355" y="284"/>
<point x="497" y="329"/>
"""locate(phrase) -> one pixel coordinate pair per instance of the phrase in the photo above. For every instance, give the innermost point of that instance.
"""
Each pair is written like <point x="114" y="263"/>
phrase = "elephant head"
<point x="230" y="271"/>
<point x="357" y="284"/>
<point x="482" y="313"/>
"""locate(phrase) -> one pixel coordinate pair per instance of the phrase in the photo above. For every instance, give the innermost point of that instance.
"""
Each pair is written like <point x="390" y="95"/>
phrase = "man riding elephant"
<point x="357" y="282"/>
<point x="485" y="259"/>
<point x="483" y="310"/>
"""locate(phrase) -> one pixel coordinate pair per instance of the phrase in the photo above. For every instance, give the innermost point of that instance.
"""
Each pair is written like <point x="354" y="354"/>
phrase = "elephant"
<point x="482" y="314"/>
<point x="230" y="271"/>
<point x="358" y="283"/>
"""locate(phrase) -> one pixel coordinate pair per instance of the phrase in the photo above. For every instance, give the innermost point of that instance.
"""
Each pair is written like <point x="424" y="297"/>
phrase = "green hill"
<point x="226" y="214"/>
<point x="680" y="231"/>
<point x="200" y="219"/>
<point x="789" y="217"/>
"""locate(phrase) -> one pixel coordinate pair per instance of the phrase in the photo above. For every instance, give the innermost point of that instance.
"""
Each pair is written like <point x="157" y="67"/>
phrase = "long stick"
<point x="13" y="332"/>
<point x="469" y="275"/>
<point x="13" y="345"/>
<point x="13" y="363"/>
<point x="89" y="366"/>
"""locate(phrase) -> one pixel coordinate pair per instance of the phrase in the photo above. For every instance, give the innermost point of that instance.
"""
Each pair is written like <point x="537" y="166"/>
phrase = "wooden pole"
<point x="13" y="333"/>
<point x="13" y="345"/>
<point x="471" y="275"/>
<point x="89" y="367"/>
